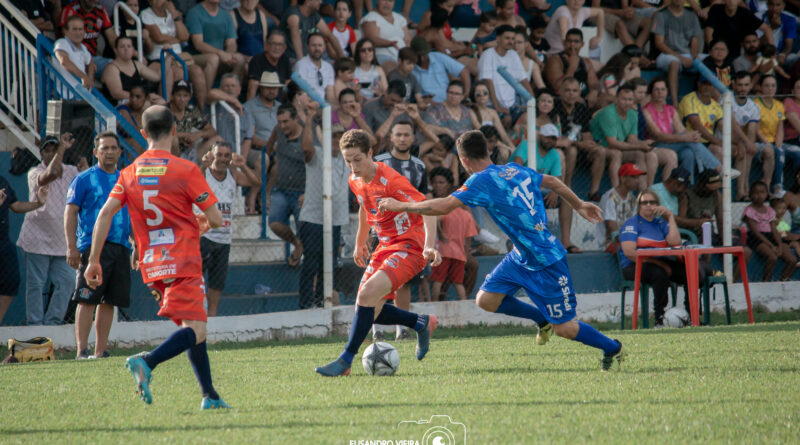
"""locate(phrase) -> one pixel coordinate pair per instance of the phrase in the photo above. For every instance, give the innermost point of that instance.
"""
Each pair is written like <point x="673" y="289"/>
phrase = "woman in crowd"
<point x="368" y="73"/>
<point x="349" y="114"/>
<point x="771" y="131"/>
<point x="132" y="112"/>
<point x="251" y="28"/>
<point x="532" y="68"/>
<point x="452" y="113"/>
<point x="439" y="40"/>
<point x="545" y="114"/>
<point x="485" y="115"/>
<point x="388" y="31"/>
<point x="572" y="15"/>
<point x="124" y="72"/>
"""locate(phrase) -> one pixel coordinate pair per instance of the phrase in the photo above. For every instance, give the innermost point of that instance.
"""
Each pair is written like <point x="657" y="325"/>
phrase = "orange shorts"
<point x="400" y="265"/>
<point x="181" y="299"/>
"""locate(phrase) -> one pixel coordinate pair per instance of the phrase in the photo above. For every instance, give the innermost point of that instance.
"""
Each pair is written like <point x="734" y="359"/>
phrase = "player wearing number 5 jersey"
<point x="159" y="190"/>
<point x="512" y="197"/>
<point x="406" y="244"/>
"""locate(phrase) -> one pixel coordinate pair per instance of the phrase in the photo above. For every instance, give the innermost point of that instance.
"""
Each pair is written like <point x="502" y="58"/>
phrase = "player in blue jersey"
<point x="86" y="196"/>
<point x="512" y="196"/>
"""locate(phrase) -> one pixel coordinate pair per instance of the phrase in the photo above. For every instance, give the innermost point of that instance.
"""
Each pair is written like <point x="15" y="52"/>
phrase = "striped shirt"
<point x="413" y="169"/>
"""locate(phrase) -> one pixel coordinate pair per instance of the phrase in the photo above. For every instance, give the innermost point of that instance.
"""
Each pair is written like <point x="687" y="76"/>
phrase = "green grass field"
<point x="734" y="384"/>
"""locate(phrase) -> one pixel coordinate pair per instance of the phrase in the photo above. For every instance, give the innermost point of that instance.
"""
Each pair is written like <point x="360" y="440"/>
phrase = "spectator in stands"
<point x="677" y="36"/>
<point x="318" y="73"/>
<point x="653" y="226"/>
<point x="701" y="203"/>
<point x="86" y="196"/>
<point x="499" y="152"/>
<point x="341" y="30"/>
<point x="452" y="113"/>
<point x="664" y="126"/>
<point x="618" y="70"/>
<point x="213" y="37"/>
<point x="132" y="112"/>
<point x="439" y="36"/>
<point x="532" y="69"/>
<point x="784" y="229"/>
<point x="730" y="22"/>
<point x="672" y="189"/>
<point x="545" y="114"/>
<point x="349" y="114"/>
<point x="575" y="117"/>
<point x="507" y="14"/>
<point x="771" y="131"/>
<point x="745" y="129"/>
<point x="95" y="22"/>
<point x="791" y="130"/>
<point x="297" y="98"/>
<point x="702" y="113"/>
<point x="427" y="134"/>
<point x="718" y="61"/>
<point x="486" y="37"/>
<point x="310" y="220"/>
<point x="749" y="58"/>
<point x="666" y="159"/>
<point x="230" y="89"/>
<point x="73" y="55"/>
<point x="502" y="93"/>
<point x="124" y="72"/>
<point x="434" y="70"/>
<point x="287" y="182"/>
<point x="273" y="60"/>
<point x="195" y="134"/>
<point x="251" y="29"/>
<point x="166" y="29"/>
<point x="224" y="171"/>
<point x="42" y="236"/>
<point x="441" y="155"/>
<point x="486" y="115"/>
<point x="260" y="114"/>
<point x="622" y="20"/>
<point x="403" y="72"/>
<point x="370" y="75"/>
<point x="379" y="109"/>
<point x="792" y="199"/>
<point x="536" y="45"/>
<point x="38" y="13"/>
<point x="619" y="203"/>
<point x="388" y="31"/>
<point x="616" y="128"/>
<point x="128" y="28"/>
<point x="302" y="20"/>
<point x="9" y="278"/>
<point x="344" y="70"/>
<point x="784" y="30"/>
<point x="569" y="16"/>
<point x="769" y="60"/>
<point x="763" y="236"/>
<point x="568" y="64"/>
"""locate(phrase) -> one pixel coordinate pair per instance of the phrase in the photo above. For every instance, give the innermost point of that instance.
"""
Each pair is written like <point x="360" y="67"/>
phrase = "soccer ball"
<point x="380" y="359"/>
<point x="676" y="317"/>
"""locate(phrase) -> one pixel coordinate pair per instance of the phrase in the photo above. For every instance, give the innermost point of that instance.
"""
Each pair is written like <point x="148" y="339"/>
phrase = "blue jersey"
<point x="89" y="191"/>
<point x="511" y="195"/>
<point x="646" y="234"/>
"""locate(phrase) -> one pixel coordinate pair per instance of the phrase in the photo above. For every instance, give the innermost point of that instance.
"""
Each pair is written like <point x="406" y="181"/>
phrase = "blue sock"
<point x="198" y="357"/>
<point x="516" y="308"/>
<point x="592" y="337"/>
<point x="362" y="323"/>
<point x="391" y="314"/>
<point x="179" y="341"/>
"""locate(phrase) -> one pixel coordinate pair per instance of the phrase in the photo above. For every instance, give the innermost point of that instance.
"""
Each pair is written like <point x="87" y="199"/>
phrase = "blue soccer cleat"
<point x="334" y="369"/>
<point x="141" y="375"/>
<point x="424" y="336"/>
<point x="209" y="403"/>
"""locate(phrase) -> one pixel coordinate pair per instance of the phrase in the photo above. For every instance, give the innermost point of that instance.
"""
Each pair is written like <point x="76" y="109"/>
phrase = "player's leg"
<point x="198" y="357"/>
<point x="497" y="294"/>
<point x="103" y="318"/>
<point x="403" y="301"/>
<point x="83" y="326"/>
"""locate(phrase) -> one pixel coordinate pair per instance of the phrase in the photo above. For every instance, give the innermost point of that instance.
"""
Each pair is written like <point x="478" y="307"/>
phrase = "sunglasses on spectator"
<point x="481" y="93"/>
<point x="319" y="77"/>
<point x="648" y="203"/>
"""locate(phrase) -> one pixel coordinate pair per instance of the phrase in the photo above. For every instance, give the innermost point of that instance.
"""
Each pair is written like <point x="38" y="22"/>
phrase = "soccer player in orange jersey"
<point x="159" y="190"/>
<point x="406" y="244"/>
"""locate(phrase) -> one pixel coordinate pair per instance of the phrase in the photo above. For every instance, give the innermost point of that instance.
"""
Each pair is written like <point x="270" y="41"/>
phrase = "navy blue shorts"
<point x="9" y="269"/>
<point x="550" y="289"/>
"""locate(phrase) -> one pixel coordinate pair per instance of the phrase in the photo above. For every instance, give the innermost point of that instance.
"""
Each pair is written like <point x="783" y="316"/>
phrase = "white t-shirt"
<point x="615" y="208"/>
<point x="165" y="25"/>
<point x="310" y="73"/>
<point x="78" y="54"/>
<point x="372" y="77"/>
<point x="487" y="69"/>
<point x="744" y="114"/>
<point x="225" y="192"/>
<point x="395" y="32"/>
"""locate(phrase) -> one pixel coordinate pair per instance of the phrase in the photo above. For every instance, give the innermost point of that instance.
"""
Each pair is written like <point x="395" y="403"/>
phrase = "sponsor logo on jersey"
<point x="160" y="237"/>
<point x="151" y="171"/>
<point x="163" y="270"/>
<point x="384" y="181"/>
<point x="392" y="262"/>
<point x="153" y="161"/>
<point x="70" y="194"/>
<point x="373" y="211"/>
<point x="628" y="229"/>
<point x="118" y="189"/>
<point x="147" y="258"/>
<point x="202" y="198"/>
<point x="85" y="293"/>
<point x="463" y="188"/>
<point x="539" y="227"/>
<point x="148" y="180"/>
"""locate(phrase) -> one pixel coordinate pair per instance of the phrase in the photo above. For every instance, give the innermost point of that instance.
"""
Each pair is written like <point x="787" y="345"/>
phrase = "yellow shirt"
<point x="771" y="117"/>
<point x="709" y="114"/>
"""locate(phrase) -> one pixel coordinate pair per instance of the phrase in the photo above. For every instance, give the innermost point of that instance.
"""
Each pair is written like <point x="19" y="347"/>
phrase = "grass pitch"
<point x="734" y="384"/>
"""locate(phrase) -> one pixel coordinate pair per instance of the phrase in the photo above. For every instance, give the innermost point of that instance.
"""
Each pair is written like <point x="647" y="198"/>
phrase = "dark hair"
<point x="567" y="80"/>
<point x="575" y="32"/>
<point x="344" y="64"/>
<point x="499" y="4"/>
<point x="408" y="54"/>
<point x="447" y="141"/>
<point x="349" y="6"/>
<point x="221" y="143"/>
<point x="287" y="108"/>
<point x="489" y="131"/>
<point x="755" y="184"/>
<point x="626" y="87"/>
<point x="292" y="91"/>
<point x="536" y="22"/>
<point x="276" y="32"/>
<point x="355" y="139"/>
<point x="632" y="51"/>
<point x="714" y="42"/>
<point x="72" y="18"/>
<point x="357" y="55"/>
<point x="345" y="92"/>
<point x="443" y="172"/>
<point x="521" y="30"/>
<point x="401" y="122"/>
<point x="765" y="77"/>
<point x="553" y="114"/>
<point x="653" y="82"/>
<point x="456" y="83"/>
<point x="116" y="42"/>
<point x="616" y="66"/>
<point x="314" y="34"/>
<point x="775" y="201"/>
<point x="439" y="17"/>
<point x="502" y="29"/>
<point x="157" y="122"/>
<point x="488" y="16"/>
<point x="396" y="86"/>
<point x="472" y="144"/>
<point x="105" y="134"/>
<point x="768" y="50"/>
<point x="637" y="82"/>
<point x="741" y="75"/>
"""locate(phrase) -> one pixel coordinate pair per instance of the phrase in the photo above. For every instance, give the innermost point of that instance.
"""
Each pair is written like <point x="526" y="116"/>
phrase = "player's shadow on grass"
<point x="163" y="429"/>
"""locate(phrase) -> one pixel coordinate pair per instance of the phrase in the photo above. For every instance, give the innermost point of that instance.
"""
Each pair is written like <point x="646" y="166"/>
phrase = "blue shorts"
<point x="550" y="289"/>
<point x="282" y="204"/>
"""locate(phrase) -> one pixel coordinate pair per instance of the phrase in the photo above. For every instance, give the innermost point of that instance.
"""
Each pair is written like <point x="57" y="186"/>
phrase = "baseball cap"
<point x="629" y="170"/>
<point x="549" y="130"/>
<point x="47" y="141"/>
<point x="182" y="85"/>
<point x="708" y="177"/>
<point x="680" y="174"/>
<point x="420" y="46"/>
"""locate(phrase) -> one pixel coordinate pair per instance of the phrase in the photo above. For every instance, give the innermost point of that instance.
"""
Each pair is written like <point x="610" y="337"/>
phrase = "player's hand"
<point x="73" y="258"/>
<point x="390" y="205"/>
<point x="93" y="275"/>
<point x="590" y="212"/>
<point x="361" y="255"/>
<point x="202" y="222"/>
<point x="433" y="255"/>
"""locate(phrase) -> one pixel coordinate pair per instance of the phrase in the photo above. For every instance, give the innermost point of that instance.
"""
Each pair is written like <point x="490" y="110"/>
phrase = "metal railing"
<point x="164" y="53"/>
<point x="138" y="21"/>
<point x="237" y="143"/>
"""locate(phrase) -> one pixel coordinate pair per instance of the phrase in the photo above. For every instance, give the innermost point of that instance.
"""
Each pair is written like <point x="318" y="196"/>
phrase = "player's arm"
<point x="70" y="228"/>
<point x="586" y="209"/>
<point x="214" y="216"/>
<point x="429" y="207"/>
<point x="361" y="252"/>
<point x="94" y="273"/>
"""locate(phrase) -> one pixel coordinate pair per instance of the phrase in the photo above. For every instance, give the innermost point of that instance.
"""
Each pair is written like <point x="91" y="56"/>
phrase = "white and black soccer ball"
<point x="380" y="359"/>
<point x="676" y="317"/>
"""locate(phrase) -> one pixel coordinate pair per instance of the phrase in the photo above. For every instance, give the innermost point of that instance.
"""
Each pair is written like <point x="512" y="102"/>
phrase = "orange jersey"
<point x="159" y="190"/>
<point x="390" y="227"/>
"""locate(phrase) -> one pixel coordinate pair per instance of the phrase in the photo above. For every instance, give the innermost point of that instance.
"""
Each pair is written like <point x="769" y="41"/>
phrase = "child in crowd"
<point x="485" y="37"/>
<point x="717" y="61"/>
<point x="341" y="29"/>
<point x="784" y="229"/>
<point x="763" y="236"/>
<point x="345" y="74"/>
<point x="538" y="43"/>
<point x="406" y="59"/>
<point x="769" y="55"/>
